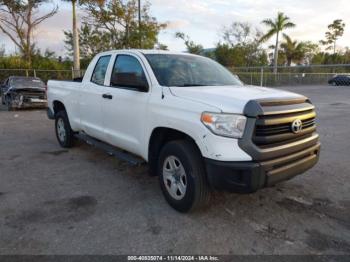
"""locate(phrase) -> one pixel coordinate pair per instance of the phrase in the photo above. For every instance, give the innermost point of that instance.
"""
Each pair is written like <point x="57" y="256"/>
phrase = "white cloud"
<point x="209" y="16"/>
<point x="177" y="24"/>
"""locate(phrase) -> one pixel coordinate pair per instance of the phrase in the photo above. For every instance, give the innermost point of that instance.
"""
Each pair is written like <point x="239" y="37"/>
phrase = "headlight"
<point x="228" y="125"/>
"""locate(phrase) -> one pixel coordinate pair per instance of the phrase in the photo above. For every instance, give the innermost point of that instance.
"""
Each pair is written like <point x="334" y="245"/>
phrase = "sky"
<point x="203" y="20"/>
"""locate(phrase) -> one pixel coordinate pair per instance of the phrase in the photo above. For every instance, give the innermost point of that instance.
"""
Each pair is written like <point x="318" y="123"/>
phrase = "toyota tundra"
<point x="195" y="123"/>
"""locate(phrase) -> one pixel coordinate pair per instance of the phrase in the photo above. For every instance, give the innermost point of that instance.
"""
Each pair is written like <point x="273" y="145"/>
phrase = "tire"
<point x="64" y="133"/>
<point x="186" y="188"/>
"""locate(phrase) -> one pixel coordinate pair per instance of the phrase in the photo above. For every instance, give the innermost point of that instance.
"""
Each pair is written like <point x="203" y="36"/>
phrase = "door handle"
<point x="107" y="96"/>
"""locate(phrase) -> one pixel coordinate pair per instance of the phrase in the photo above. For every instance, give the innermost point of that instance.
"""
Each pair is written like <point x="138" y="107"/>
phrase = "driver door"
<point x="125" y="110"/>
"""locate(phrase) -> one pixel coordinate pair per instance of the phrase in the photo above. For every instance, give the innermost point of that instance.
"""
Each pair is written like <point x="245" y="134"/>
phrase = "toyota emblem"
<point x="297" y="126"/>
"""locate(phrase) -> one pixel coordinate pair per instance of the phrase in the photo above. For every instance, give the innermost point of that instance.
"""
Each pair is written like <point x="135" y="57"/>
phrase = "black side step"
<point x="111" y="150"/>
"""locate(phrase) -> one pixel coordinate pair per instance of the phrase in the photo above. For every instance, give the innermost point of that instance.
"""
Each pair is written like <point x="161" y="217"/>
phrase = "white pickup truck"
<point x="195" y="123"/>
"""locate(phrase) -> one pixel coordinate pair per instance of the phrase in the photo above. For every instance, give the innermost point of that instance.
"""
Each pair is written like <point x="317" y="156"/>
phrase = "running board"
<point x="111" y="150"/>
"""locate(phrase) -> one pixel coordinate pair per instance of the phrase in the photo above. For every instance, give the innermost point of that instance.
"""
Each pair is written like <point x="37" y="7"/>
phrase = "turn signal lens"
<point x="206" y="118"/>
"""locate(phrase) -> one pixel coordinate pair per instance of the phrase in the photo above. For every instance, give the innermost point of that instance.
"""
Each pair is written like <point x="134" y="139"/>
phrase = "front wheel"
<point x="182" y="176"/>
<point x="64" y="133"/>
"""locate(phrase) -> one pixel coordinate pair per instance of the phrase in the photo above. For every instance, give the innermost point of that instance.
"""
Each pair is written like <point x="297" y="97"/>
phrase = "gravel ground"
<point x="82" y="201"/>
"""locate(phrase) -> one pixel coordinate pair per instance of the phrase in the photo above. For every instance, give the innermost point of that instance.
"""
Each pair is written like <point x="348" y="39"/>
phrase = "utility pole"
<point x="76" y="52"/>
<point x="140" y="34"/>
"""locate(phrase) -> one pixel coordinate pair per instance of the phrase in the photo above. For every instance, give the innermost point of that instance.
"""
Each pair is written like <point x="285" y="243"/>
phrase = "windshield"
<point x="186" y="70"/>
<point x="24" y="82"/>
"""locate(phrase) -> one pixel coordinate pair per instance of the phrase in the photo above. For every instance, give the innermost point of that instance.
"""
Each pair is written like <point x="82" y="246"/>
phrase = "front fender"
<point x="184" y="116"/>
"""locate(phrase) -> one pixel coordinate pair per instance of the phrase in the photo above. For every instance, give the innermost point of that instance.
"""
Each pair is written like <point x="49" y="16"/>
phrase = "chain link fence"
<point x="43" y="74"/>
<point x="294" y="75"/>
<point x="260" y="76"/>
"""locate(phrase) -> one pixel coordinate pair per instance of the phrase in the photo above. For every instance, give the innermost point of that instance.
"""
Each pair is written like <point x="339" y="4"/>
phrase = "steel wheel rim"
<point x="61" y="131"/>
<point x="174" y="177"/>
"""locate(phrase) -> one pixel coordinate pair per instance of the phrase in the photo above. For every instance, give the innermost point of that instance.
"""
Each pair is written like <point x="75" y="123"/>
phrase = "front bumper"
<point x="247" y="177"/>
<point x="29" y="105"/>
<point x="19" y="101"/>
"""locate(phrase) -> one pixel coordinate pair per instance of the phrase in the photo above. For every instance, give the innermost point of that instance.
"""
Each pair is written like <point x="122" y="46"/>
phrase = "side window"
<point x="98" y="76"/>
<point x="128" y="72"/>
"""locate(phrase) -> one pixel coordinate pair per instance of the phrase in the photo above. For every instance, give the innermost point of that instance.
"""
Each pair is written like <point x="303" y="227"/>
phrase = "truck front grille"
<point x="277" y="129"/>
<point x="269" y="133"/>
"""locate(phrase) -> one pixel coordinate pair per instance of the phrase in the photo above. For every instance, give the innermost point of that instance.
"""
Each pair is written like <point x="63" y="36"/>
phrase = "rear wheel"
<point x="64" y="133"/>
<point x="182" y="176"/>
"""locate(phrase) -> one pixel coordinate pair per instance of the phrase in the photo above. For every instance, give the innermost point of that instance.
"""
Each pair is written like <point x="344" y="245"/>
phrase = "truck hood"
<point x="229" y="99"/>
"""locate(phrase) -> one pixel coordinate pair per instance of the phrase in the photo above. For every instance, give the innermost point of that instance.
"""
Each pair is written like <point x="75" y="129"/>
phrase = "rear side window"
<point x="98" y="76"/>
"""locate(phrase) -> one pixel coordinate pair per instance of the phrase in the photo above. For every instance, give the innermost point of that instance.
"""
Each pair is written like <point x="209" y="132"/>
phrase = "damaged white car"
<point x="23" y="92"/>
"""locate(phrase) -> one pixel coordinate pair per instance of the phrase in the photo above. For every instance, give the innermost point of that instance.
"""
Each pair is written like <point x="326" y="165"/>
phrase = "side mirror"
<point x="130" y="80"/>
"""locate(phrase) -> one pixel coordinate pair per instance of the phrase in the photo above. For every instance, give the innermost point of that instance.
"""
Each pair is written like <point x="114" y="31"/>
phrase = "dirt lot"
<point x="82" y="201"/>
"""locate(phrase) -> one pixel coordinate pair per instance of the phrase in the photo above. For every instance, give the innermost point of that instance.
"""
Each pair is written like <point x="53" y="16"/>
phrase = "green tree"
<point x="119" y="19"/>
<point x="75" y="31"/>
<point x="227" y="56"/>
<point x="191" y="46"/>
<point x="276" y="26"/>
<point x="243" y="39"/>
<point x="311" y="49"/>
<point x="336" y="30"/>
<point x="293" y="51"/>
<point x="92" y="41"/>
<point x="326" y="58"/>
<point x="238" y="56"/>
<point x="18" y="19"/>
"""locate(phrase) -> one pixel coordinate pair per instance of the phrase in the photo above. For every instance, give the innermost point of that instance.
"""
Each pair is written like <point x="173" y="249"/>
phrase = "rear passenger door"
<point x="125" y="113"/>
<point x="92" y="94"/>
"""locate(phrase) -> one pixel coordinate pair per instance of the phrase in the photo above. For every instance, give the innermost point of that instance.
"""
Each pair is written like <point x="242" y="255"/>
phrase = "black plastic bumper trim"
<point x="249" y="176"/>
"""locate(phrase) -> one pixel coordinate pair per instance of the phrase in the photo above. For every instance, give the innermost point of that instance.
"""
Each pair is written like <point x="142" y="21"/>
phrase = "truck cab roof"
<point x="146" y="51"/>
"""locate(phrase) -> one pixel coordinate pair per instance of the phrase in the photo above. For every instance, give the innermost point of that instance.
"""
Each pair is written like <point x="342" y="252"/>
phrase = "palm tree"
<point x="280" y="23"/>
<point x="293" y="50"/>
<point x="76" y="50"/>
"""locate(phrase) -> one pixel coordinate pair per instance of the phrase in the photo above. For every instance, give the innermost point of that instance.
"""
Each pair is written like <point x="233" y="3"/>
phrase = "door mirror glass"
<point x="131" y="80"/>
